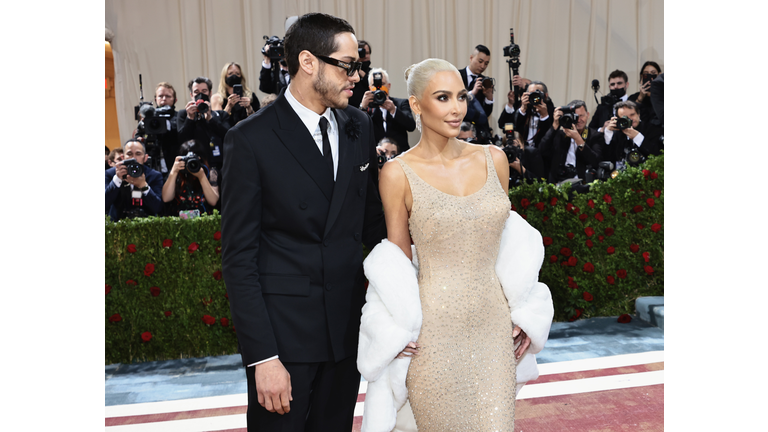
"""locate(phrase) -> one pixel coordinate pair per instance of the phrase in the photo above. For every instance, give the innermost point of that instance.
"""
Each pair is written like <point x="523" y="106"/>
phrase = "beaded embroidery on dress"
<point x="464" y="378"/>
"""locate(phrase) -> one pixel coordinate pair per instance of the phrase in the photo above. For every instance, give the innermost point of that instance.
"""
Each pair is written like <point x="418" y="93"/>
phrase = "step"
<point x="651" y="310"/>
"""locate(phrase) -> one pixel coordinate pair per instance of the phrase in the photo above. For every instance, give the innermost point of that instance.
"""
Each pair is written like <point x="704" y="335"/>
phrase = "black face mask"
<point x="232" y="80"/>
<point x="619" y="92"/>
<point x="366" y="66"/>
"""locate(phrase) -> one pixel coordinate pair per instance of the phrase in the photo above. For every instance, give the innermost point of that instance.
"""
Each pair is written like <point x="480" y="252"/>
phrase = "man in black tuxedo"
<point x="299" y="195"/>
<point x="577" y="146"/>
<point x="392" y="118"/>
<point x="618" y="82"/>
<point x="128" y="196"/>
<point x="273" y="82"/>
<point x="646" y="137"/>
<point x="473" y="77"/>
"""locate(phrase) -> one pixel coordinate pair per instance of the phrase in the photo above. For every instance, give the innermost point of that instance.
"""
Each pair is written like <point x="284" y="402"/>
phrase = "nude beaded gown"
<point x="464" y="378"/>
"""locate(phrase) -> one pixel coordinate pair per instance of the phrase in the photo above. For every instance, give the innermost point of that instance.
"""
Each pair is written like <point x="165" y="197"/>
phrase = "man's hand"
<point x="520" y="338"/>
<point x="556" y="116"/>
<point x="122" y="172"/>
<point x="478" y="86"/>
<point x="630" y="132"/>
<point x="488" y="93"/>
<point x="516" y="166"/>
<point x="389" y="106"/>
<point x="542" y="109"/>
<point x="573" y="134"/>
<point x="367" y="98"/>
<point x="517" y="81"/>
<point x="273" y="384"/>
<point x="610" y="125"/>
<point x="191" y="109"/>
<point x="524" y="103"/>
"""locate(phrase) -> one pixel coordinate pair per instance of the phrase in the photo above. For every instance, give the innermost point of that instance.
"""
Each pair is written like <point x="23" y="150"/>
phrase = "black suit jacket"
<point x="267" y="83"/>
<point x="469" y="85"/>
<point x="291" y="238"/>
<point x="397" y="126"/>
<point x="208" y="135"/>
<point x="117" y="198"/>
<point x="555" y="145"/>
<point x="652" y="142"/>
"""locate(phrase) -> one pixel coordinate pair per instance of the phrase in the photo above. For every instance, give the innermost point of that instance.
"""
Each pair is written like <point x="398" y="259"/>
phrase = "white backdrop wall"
<point x="564" y="43"/>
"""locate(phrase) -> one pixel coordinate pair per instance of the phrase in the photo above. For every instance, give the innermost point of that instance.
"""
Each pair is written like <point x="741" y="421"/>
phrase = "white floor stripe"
<point x="586" y="385"/>
<point x="188" y="425"/>
<point x="601" y="363"/>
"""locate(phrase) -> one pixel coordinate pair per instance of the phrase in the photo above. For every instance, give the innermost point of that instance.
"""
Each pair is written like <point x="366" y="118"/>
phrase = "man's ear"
<point x="308" y="62"/>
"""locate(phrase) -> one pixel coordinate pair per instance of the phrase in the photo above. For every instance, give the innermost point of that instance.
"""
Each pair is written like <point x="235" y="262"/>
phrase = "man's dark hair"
<point x="577" y="103"/>
<point x="649" y="63"/>
<point x="466" y="127"/>
<point x="362" y="44"/>
<point x="200" y="80"/>
<point x="313" y="32"/>
<point x="483" y="49"/>
<point x="143" y="147"/>
<point x="626" y="104"/>
<point x="616" y="74"/>
<point x="544" y="86"/>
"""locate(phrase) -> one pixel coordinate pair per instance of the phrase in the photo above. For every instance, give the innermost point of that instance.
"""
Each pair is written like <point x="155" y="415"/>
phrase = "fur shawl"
<point x="392" y="316"/>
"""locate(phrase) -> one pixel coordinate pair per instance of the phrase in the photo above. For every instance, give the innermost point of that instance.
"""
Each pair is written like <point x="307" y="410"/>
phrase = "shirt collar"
<point x="310" y="118"/>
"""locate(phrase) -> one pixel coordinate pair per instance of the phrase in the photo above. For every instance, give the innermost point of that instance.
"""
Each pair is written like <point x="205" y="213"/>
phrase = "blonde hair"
<point x="417" y="78"/>
<point x="223" y="85"/>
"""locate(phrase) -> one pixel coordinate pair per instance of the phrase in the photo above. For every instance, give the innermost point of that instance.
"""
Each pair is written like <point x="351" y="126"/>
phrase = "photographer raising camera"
<point x="391" y="116"/>
<point x="636" y="139"/>
<point x="234" y="96"/>
<point x="131" y="188"/>
<point x="188" y="189"/>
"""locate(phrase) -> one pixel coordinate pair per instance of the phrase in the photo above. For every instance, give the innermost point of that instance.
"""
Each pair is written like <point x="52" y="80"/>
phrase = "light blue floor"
<point x="224" y="375"/>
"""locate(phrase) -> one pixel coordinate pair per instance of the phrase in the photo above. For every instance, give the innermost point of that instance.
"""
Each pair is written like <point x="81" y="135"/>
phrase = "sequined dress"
<point x="464" y="378"/>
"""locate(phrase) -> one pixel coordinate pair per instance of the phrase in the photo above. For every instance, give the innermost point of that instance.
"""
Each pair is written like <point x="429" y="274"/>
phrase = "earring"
<point x="417" y="117"/>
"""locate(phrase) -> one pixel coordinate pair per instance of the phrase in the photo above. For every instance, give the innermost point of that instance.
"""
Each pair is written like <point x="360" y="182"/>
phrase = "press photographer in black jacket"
<point x="200" y="123"/>
<point x="571" y="145"/>
<point x="621" y="139"/>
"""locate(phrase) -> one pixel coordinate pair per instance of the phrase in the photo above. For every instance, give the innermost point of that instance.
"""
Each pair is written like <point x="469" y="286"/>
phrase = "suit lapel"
<point x="302" y="146"/>
<point x="344" y="170"/>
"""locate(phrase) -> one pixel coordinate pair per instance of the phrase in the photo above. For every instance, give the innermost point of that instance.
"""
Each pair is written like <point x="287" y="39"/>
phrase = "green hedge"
<point x="163" y="275"/>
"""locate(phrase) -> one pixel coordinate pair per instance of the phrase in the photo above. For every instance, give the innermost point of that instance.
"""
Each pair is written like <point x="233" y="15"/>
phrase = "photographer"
<point x="157" y="128"/>
<point x="648" y="73"/>
<point x="513" y="103"/>
<point x="467" y="133"/>
<point x="628" y="139"/>
<point x="188" y="187"/>
<point x="523" y="166"/>
<point x="364" y="53"/>
<point x="273" y="82"/>
<point x="131" y="188"/>
<point x="234" y="96"/>
<point x="391" y="116"/>
<point x="617" y="83"/>
<point x="200" y="123"/>
<point x="481" y="88"/>
<point x="386" y="150"/>
<point x="569" y="144"/>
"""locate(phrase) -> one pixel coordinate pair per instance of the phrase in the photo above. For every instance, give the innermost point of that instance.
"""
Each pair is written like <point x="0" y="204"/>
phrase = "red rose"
<point x="640" y="226"/>
<point x="149" y="269"/>
<point x="607" y="198"/>
<point x="565" y="252"/>
<point x="637" y="209"/>
<point x="540" y="206"/>
<point x="591" y="204"/>
<point x="514" y="208"/>
<point x="193" y="247"/>
<point x="589" y="268"/>
<point x="553" y="259"/>
<point x="168" y="313"/>
<point x="155" y="291"/>
<point x="568" y="207"/>
<point x="131" y="282"/>
<point x="571" y="283"/>
<point x="572" y="261"/>
<point x="218" y="249"/>
<point x="167" y="243"/>
<point x="553" y="201"/>
<point x="655" y="227"/>
<point x="599" y="216"/>
<point x="645" y="173"/>
<point x="131" y="248"/>
<point x="217" y="275"/>
<point x="589" y="243"/>
<point x="624" y="214"/>
<point x="224" y="322"/>
<point x="576" y="210"/>
<point x="611" y="250"/>
<point x="657" y="193"/>
<point x="646" y="256"/>
<point x="613" y="210"/>
<point x="610" y="279"/>
<point x="634" y="248"/>
<point x="546" y="218"/>
<point x="578" y="314"/>
<point x="146" y="336"/>
<point x="217" y="235"/>
<point x="525" y="203"/>
<point x="621" y="274"/>
<point x="209" y="319"/>
<point x="624" y="318"/>
<point x="115" y="318"/>
<point x="589" y="231"/>
<point x="569" y="235"/>
<point x="609" y="231"/>
<point x="654" y="176"/>
<point x="648" y="269"/>
<point x="650" y="202"/>
<point x="547" y="241"/>
<point x="107" y="288"/>
<point x="209" y="301"/>
<point x="600" y="238"/>
<point x="588" y="296"/>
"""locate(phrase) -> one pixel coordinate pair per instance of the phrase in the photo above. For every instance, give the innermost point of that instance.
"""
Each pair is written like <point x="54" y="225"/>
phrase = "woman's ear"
<point x="414" y="103"/>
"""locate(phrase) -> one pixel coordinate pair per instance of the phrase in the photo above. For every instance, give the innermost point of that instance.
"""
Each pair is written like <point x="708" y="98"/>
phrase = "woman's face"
<point x="650" y="70"/>
<point x="443" y="104"/>
<point x="234" y="70"/>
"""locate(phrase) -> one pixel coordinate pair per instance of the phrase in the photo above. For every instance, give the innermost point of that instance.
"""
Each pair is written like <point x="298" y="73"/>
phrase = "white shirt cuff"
<point x="608" y="134"/>
<point x="488" y="102"/>
<point x="638" y="139"/>
<point x="266" y="65"/>
<point x="263" y="361"/>
<point x="117" y="180"/>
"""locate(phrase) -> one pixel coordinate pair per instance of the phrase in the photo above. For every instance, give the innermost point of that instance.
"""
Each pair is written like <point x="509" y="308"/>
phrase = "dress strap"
<point x="491" y="167"/>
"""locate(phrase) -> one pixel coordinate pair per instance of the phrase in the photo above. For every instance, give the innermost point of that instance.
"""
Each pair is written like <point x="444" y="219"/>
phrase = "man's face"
<point x="387" y="149"/>
<point x="367" y="54"/>
<point x="134" y="150"/>
<point x="198" y="88"/>
<point x="617" y="83"/>
<point x="119" y="157"/>
<point x="164" y="97"/>
<point x="478" y="62"/>
<point x="631" y="113"/>
<point x="333" y="86"/>
<point x="581" y="123"/>
<point x="533" y="87"/>
<point x="465" y="135"/>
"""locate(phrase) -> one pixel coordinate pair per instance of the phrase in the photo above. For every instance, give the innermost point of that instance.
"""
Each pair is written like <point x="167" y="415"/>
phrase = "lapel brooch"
<point x="352" y="128"/>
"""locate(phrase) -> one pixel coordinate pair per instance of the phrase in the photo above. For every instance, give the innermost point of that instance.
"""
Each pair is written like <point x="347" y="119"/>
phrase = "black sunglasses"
<point x="351" y="68"/>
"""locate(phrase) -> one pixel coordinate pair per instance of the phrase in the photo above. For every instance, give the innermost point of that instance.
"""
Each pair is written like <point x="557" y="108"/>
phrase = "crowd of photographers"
<point x="171" y="166"/>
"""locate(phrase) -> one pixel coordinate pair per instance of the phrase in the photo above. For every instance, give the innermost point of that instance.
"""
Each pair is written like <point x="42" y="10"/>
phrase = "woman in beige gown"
<point x="450" y="197"/>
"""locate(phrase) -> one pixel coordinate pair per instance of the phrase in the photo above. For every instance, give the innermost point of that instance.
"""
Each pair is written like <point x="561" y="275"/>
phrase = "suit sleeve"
<point x="185" y="128"/>
<point x="374" y="228"/>
<point x="241" y="205"/>
<point x="111" y="190"/>
<point x="593" y="149"/>
<point x="547" y="144"/>
<point x="153" y="199"/>
<point x="404" y="117"/>
<point x="266" y="85"/>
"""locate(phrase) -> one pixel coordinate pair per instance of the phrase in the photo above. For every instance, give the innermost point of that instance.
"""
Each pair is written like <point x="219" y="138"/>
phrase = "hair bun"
<point x="408" y="71"/>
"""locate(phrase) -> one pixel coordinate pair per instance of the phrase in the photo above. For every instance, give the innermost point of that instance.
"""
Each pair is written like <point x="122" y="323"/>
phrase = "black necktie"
<point x="326" y="144"/>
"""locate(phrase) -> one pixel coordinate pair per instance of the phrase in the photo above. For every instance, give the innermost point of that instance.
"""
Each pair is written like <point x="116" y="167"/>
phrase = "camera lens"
<point x="379" y="97"/>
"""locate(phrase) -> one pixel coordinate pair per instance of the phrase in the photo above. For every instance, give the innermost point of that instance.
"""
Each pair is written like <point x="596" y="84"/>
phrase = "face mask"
<point x="366" y="66"/>
<point x="619" y="92"/>
<point x="232" y="80"/>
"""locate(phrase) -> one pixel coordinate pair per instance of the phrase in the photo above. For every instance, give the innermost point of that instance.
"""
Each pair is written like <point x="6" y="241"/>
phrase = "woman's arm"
<point x="169" y="188"/>
<point x="211" y="193"/>
<point x="393" y="187"/>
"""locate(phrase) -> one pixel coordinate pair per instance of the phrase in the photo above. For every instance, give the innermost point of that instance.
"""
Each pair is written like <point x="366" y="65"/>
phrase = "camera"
<point x="535" y="97"/>
<point x="609" y="100"/>
<point x="192" y="162"/>
<point x="634" y="157"/>
<point x="135" y="169"/>
<point x="276" y="48"/>
<point x="513" y="52"/>
<point x="154" y="122"/>
<point x="379" y="95"/>
<point x="569" y="117"/>
<point x="488" y="82"/>
<point x="623" y="123"/>
<point x="604" y="171"/>
<point x="202" y="107"/>
<point x="513" y="153"/>
<point x="566" y="171"/>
